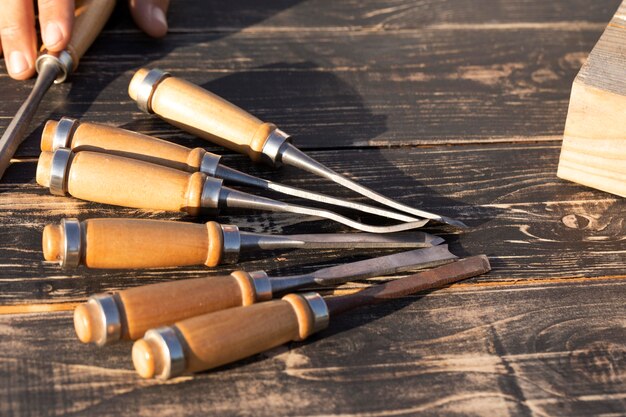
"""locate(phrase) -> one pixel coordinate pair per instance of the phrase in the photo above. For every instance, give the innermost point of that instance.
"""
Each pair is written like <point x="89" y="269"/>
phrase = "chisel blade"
<point x="339" y="241"/>
<point x="384" y="265"/>
<point x="16" y="132"/>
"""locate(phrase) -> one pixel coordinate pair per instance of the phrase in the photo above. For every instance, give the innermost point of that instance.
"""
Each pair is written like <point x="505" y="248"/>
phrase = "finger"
<point x="149" y="15"/>
<point x="19" y="42"/>
<point x="56" y="18"/>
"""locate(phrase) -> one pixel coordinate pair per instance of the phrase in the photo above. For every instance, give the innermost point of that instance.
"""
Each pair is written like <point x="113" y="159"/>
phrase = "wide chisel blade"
<point x="383" y="265"/>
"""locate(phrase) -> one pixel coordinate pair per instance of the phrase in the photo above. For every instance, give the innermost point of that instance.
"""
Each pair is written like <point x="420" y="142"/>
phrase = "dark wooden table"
<point x="454" y="106"/>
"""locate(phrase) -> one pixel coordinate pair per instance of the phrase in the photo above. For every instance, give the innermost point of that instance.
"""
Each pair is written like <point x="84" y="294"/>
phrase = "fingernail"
<point x="52" y="34"/>
<point x="18" y="63"/>
<point x="159" y="16"/>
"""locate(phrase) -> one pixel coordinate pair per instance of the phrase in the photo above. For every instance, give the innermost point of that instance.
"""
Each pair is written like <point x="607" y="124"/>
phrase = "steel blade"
<point x="295" y="157"/>
<point x="16" y="132"/>
<point x="261" y="241"/>
<point x="384" y="265"/>
<point x="421" y="281"/>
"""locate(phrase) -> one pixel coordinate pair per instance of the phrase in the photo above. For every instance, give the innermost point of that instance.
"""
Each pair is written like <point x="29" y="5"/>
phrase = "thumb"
<point x="149" y="15"/>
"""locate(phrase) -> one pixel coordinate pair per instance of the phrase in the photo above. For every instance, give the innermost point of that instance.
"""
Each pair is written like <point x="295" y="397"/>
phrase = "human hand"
<point x="56" y="18"/>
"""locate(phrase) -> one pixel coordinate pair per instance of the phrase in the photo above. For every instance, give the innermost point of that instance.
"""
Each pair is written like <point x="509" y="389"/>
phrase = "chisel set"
<point x="192" y="325"/>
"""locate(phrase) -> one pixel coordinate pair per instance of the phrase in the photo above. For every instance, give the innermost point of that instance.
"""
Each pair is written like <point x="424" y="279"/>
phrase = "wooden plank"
<point x="594" y="149"/>
<point x="531" y="224"/>
<point x="341" y="89"/>
<point x="515" y="351"/>
<point x="379" y="14"/>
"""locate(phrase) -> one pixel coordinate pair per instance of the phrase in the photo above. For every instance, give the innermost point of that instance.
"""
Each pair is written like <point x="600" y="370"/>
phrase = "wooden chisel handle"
<point x="204" y="114"/>
<point x="84" y="136"/>
<point x="128" y="314"/>
<point x="215" y="339"/>
<point x="120" y="181"/>
<point x="134" y="243"/>
<point x="91" y="16"/>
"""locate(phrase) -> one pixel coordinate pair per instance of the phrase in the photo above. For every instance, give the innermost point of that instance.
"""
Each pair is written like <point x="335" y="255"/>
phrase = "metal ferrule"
<point x="209" y="163"/>
<point x="210" y="197"/>
<point x="59" y="169"/>
<point x="262" y="285"/>
<point x="63" y="133"/>
<point x="172" y="351"/>
<point x="147" y="87"/>
<point x="110" y="318"/>
<point x="63" y="60"/>
<point x="232" y="243"/>
<point x="273" y="145"/>
<point x="72" y="243"/>
<point x="318" y="306"/>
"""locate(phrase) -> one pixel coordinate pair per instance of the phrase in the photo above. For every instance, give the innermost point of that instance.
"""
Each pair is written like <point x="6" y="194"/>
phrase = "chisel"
<point x="127" y="314"/>
<point x="91" y="15"/>
<point x="210" y="117"/>
<point x="143" y="243"/>
<point x="72" y="134"/>
<point x="112" y="179"/>
<point x="214" y="339"/>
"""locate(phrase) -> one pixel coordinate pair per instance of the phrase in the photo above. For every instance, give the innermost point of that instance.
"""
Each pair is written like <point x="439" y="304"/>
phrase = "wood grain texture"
<point x="349" y="88"/>
<point x="531" y="224"/>
<point x="455" y="106"/>
<point x="594" y="142"/>
<point x="537" y="350"/>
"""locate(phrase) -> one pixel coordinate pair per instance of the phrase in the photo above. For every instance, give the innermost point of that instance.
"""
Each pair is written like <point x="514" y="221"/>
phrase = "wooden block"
<point x="594" y="142"/>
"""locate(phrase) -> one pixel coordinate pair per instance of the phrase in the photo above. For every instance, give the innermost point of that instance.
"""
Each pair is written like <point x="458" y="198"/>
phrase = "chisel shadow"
<point x="122" y="48"/>
<point x="330" y="120"/>
<point x="353" y="319"/>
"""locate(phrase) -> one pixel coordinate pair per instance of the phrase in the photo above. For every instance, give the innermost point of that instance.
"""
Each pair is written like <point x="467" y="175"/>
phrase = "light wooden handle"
<point x="91" y="16"/>
<point x="127" y="182"/>
<point x="116" y="141"/>
<point x="206" y="115"/>
<point x="155" y="305"/>
<point x="139" y="243"/>
<point x="215" y="339"/>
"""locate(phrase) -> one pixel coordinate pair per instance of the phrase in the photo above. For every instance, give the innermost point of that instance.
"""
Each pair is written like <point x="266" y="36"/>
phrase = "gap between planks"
<point x="52" y="307"/>
<point x="451" y="144"/>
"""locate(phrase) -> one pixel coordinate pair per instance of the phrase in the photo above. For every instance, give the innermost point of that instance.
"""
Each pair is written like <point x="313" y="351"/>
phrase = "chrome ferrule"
<point x="63" y="60"/>
<point x="210" y="197"/>
<point x="272" y="148"/>
<point x="321" y="316"/>
<point x="146" y="88"/>
<point x="110" y="318"/>
<point x="72" y="243"/>
<point x="262" y="285"/>
<point x="63" y="133"/>
<point x="232" y="243"/>
<point x="171" y="347"/>
<point x="59" y="169"/>
<point x="209" y="163"/>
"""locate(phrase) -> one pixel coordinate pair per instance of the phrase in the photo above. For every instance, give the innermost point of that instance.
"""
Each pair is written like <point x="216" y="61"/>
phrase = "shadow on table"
<point x="342" y="323"/>
<point x="322" y="111"/>
<point x="123" y="47"/>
